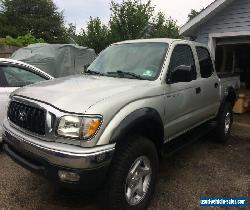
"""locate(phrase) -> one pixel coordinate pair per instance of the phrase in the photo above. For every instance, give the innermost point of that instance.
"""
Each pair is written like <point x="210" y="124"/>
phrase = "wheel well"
<point x="231" y="97"/>
<point x="150" y="129"/>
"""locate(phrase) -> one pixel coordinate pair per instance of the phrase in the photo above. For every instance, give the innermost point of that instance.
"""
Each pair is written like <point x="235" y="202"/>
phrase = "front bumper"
<point x="47" y="158"/>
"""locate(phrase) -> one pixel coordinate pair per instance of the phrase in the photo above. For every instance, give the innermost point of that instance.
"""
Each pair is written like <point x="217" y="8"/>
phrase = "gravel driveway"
<point x="204" y="168"/>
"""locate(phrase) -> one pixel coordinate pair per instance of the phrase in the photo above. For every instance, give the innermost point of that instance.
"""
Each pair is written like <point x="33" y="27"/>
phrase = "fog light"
<point x="100" y="158"/>
<point x="68" y="176"/>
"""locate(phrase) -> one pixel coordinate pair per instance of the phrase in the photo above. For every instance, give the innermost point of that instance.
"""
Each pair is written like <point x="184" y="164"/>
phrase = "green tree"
<point x="193" y="13"/>
<point x="95" y="36"/>
<point x="41" y="18"/>
<point x="71" y="33"/>
<point x="130" y="19"/>
<point x="163" y="27"/>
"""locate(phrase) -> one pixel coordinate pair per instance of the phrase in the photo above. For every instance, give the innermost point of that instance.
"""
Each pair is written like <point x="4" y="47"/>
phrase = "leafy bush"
<point x="20" y="41"/>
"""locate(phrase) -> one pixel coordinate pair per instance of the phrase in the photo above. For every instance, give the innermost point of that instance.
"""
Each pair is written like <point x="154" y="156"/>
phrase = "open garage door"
<point x="233" y="55"/>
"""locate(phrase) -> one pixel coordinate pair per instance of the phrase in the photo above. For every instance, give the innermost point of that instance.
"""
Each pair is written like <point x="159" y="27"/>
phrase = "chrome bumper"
<point x="58" y="154"/>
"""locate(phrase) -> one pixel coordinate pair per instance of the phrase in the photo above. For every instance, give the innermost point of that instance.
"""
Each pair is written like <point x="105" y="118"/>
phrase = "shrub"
<point x="20" y="41"/>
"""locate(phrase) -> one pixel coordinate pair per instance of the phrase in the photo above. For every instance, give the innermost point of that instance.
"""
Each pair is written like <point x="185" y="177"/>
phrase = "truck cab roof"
<point x="162" y="40"/>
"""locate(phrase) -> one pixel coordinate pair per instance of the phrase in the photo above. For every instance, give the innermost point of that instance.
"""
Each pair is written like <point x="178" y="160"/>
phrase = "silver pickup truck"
<point x="108" y="127"/>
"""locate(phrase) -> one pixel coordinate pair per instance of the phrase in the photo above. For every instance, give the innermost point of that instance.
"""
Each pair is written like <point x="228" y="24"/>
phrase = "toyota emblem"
<point x="22" y="116"/>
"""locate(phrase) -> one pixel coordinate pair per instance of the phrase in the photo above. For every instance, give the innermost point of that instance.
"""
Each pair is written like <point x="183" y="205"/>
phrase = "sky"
<point x="79" y="11"/>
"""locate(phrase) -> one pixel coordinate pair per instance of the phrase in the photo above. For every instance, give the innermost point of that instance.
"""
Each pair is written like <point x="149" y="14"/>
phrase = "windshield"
<point x="143" y="60"/>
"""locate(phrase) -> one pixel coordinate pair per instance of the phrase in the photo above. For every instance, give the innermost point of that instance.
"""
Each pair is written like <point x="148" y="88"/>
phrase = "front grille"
<point x="27" y="117"/>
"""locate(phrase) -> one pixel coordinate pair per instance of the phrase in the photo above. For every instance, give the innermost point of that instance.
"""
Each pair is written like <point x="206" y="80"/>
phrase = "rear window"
<point x="205" y="61"/>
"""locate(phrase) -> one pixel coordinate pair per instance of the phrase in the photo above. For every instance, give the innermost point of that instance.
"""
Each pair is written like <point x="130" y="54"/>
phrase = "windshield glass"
<point x="142" y="59"/>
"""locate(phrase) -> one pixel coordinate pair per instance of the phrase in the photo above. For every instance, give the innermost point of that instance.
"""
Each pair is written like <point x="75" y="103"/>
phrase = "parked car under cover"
<point x="58" y="60"/>
<point x="15" y="74"/>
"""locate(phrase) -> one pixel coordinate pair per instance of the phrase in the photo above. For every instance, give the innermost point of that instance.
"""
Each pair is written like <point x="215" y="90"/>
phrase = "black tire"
<point x="127" y="152"/>
<point x="226" y="113"/>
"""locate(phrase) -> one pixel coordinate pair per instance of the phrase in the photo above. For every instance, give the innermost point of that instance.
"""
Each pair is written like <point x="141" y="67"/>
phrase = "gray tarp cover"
<point x="58" y="60"/>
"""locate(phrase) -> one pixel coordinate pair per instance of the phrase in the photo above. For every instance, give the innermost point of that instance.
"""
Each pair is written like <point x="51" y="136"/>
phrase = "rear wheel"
<point x="224" y="123"/>
<point x="132" y="175"/>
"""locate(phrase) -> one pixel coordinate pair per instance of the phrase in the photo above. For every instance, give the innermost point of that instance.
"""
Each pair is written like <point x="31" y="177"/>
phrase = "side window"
<point x="18" y="77"/>
<point x="183" y="56"/>
<point x="206" y="65"/>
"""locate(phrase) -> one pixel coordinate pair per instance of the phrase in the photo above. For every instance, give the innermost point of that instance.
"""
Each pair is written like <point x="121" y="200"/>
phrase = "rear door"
<point x="182" y="102"/>
<point x="209" y="84"/>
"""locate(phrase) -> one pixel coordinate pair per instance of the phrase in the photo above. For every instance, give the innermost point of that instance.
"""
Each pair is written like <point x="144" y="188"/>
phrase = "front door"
<point x="182" y="99"/>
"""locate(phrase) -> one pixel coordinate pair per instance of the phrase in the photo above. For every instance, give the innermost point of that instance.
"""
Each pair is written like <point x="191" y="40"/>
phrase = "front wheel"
<point x="224" y="123"/>
<point x="133" y="174"/>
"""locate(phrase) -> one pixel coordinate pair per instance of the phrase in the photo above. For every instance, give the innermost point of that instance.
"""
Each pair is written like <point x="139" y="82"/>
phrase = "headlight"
<point x="78" y="127"/>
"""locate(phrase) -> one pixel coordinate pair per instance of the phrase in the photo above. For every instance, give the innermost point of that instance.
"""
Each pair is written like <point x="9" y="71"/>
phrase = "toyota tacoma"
<point x="108" y="126"/>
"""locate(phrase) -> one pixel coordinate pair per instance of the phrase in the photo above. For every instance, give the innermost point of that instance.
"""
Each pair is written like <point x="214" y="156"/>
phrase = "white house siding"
<point x="234" y="18"/>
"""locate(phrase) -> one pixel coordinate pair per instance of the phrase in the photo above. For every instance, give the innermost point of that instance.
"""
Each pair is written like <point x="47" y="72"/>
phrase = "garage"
<point x="232" y="56"/>
<point x="225" y="27"/>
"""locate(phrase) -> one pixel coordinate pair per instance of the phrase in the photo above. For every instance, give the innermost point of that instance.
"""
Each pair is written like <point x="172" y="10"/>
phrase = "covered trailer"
<point x="58" y="60"/>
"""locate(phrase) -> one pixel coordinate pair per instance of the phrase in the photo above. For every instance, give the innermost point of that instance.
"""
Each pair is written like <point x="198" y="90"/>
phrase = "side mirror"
<point x="181" y="73"/>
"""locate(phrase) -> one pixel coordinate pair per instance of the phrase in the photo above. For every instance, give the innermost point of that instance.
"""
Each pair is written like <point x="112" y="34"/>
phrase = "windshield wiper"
<point x="125" y="73"/>
<point x="94" y="72"/>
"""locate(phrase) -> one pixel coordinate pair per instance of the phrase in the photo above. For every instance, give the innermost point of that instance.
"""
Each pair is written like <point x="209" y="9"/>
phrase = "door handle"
<point x="216" y="85"/>
<point x="198" y="90"/>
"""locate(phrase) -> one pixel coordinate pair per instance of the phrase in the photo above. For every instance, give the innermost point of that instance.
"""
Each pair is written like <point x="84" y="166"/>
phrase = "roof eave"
<point x="206" y="14"/>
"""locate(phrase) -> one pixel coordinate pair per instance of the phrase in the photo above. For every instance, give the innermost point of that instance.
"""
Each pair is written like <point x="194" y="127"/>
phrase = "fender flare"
<point x="134" y="119"/>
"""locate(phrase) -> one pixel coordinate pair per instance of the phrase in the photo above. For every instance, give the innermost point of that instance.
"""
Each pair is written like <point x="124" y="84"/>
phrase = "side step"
<point x="190" y="137"/>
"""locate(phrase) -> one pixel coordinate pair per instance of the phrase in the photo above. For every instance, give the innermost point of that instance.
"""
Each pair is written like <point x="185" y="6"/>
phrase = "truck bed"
<point x="226" y="74"/>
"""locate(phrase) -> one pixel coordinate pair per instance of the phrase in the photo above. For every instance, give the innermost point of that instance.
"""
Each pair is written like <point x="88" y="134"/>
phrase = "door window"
<point x="205" y="61"/>
<point x="18" y="77"/>
<point x="183" y="56"/>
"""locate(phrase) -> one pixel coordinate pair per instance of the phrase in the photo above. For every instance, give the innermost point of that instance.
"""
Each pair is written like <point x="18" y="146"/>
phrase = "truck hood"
<point x="77" y="93"/>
